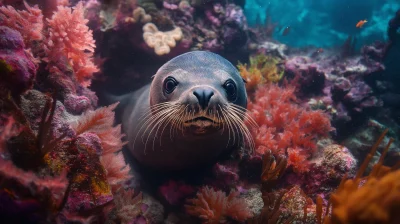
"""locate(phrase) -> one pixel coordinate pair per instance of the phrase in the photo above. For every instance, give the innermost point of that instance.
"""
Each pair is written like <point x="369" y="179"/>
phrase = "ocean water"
<point x="200" y="111"/>
<point x="324" y="23"/>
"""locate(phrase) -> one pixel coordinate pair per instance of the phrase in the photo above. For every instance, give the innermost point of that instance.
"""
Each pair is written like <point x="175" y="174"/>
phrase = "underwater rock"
<point x="294" y="203"/>
<point x="17" y="66"/>
<point x="253" y="198"/>
<point x="328" y="170"/>
<point x="155" y="211"/>
<point x="360" y="143"/>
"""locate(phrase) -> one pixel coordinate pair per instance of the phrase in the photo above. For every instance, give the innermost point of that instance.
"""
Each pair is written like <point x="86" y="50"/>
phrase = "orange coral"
<point x="70" y="37"/>
<point x="286" y="127"/>
<point x="215" y="207"/>
<point x="375" y="200"/>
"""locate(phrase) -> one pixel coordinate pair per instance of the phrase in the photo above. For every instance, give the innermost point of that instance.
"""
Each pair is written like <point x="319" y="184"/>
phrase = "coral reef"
<point x="262" y="69"/>
<point x="215" y="207"/>
<point x="285" y="127"/>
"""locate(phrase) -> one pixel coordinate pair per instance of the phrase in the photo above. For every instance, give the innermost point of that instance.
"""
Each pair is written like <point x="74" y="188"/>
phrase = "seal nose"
<point x="203" y="96"/>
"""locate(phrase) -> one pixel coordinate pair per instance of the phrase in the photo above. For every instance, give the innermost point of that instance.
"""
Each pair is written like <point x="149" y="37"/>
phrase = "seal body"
<point x="188" y="115"/>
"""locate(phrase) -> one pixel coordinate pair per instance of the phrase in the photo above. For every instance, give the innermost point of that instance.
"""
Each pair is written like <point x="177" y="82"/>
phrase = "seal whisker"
<point x="246" y="133"/>
<point x="230" y="126"/>
<point x="234" y="125"/>
<point x="159" y="122"/>
<point x="171" y="117"/>
<point x="154" y="124"/>
<point x="153" y="119"/>
<point x="243" y="111"/>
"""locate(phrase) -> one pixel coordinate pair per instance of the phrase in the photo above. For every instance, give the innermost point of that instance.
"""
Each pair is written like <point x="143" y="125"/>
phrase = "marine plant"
<point x="262" y="69"/>
<point x="285" y="127"/>
<point x="64" y="36"/>
<point x="374" y="198"/>
<point x="216" y="207"/>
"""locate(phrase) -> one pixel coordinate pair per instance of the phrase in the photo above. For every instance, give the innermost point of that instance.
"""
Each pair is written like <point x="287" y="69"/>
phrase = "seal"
<point x="193" y="111"/>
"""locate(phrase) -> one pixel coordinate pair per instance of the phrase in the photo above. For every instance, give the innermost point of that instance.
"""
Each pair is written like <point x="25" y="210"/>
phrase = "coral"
<point x="174" y="192"/>
<point x="100" y="122"/>
<point x="297" y="205"/>
<point x="69" y="37"/>
<point x="128" y="206"/>
<point x="28" y="23"/>
<point x="373" y="199"/>
<point x="18" y="69"/>
<point x="285" y="127"/>
<point x="215" y="207"/>
<point x="162" y="42"/>
<point x="262" y="69"/>
<point x="52" y="148"/>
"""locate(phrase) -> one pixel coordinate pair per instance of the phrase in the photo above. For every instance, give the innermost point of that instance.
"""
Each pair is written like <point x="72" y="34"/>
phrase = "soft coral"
<point x="286" y="127"/>
<point x="70" y="37"/>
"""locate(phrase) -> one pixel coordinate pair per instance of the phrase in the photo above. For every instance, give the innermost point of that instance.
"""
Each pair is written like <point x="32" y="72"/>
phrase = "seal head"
<point x="192" y="112"/>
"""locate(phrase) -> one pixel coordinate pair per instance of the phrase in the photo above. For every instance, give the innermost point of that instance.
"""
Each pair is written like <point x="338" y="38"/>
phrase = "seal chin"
<point x="202" y="125"/>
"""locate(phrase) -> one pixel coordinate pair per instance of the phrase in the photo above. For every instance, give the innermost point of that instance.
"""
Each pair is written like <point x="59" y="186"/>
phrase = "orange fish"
<point x="361" y="23"/>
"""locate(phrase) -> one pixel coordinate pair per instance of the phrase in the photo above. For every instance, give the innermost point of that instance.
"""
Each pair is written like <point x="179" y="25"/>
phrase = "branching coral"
<point x="69" y="37"/>
<point x="162" y="42"/>
<point x="373" y="199"/>
<point x="28" y="23"/>
<point x="285" y="127"/>
<point x="262" y="69"/>
<point x="215" y="207"/>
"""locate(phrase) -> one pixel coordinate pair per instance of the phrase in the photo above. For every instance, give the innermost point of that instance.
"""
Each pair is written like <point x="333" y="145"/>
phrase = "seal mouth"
<point x="201" y="119"/>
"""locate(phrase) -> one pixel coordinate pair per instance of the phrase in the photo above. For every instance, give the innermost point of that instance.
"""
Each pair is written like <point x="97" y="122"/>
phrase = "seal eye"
<point x="169" y="85"/>
<point x="230" y="89"/>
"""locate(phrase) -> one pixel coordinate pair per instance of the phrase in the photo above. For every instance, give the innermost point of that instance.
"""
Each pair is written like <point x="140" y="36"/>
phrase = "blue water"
<point x="324" y="23"/>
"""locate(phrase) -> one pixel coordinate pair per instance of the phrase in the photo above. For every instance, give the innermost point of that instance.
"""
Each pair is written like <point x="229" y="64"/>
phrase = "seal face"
<point x="191" y="112"/>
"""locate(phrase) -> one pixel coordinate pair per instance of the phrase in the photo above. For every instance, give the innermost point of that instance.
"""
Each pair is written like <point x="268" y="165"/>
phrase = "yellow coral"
<point x="262" y="69"/>
<point x="162" y="42"/>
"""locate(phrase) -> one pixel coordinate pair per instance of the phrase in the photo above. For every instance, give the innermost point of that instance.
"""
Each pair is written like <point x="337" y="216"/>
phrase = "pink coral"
<point x="215" y="207"/>
<point x="28" y="23"/>
<point x="175" y="191"/>
<point x="70" y="37"/>
<point x="285" y="127"/>
<point x="101" y="123"/>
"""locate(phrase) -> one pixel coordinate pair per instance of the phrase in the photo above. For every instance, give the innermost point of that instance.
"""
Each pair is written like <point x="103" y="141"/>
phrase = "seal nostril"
<point x="203" y="96"/>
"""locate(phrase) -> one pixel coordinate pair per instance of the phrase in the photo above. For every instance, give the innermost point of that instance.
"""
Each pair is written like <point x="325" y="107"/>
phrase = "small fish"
<point x="320" y="50"/>
<point x="286" y="31"/>
<point x="361" y="23"/>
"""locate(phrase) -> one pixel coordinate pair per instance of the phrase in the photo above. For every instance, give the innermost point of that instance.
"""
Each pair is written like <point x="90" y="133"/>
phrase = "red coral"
<point x="100" y="122"/>
<point x="28" y="23"/>
<point x="285" y="127"/>
<point x="70" y="37"/>
<point x="215" y="207"/>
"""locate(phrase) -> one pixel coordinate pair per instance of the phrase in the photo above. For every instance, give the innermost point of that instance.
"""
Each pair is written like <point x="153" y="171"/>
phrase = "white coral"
<point x="162" y="42"/>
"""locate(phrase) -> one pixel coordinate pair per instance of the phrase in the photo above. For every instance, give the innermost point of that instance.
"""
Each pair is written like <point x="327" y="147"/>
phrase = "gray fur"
<point x="196" y="69"/>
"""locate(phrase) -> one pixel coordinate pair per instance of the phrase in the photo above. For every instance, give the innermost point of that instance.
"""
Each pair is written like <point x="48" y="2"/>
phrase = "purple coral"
<point x="17" y="66"/>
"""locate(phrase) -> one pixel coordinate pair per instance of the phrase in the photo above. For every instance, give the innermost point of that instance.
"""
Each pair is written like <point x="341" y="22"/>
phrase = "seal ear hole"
<point x="231" y="90"/>
<point x="170" y="84"/>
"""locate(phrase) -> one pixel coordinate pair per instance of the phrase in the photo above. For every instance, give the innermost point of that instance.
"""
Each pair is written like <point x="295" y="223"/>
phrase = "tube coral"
<point x="70" y="37"/>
